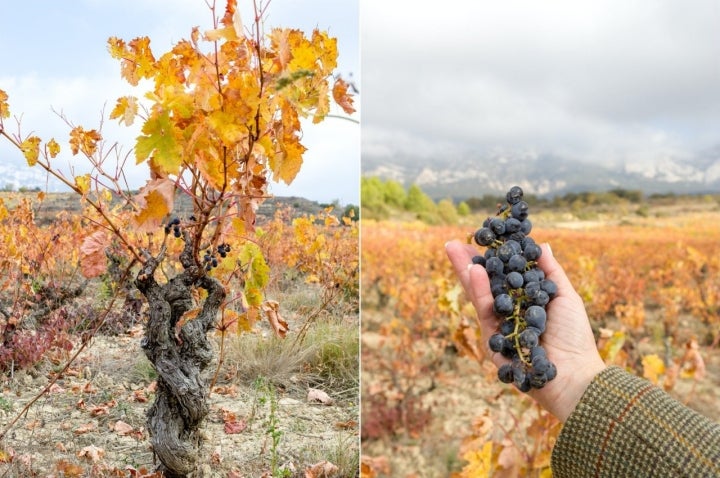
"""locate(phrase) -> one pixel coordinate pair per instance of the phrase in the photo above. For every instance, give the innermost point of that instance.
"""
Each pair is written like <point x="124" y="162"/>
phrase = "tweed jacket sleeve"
<point x="624" y="426"/>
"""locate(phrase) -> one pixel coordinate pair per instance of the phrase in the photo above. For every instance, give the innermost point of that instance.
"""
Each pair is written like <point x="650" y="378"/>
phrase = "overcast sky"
<point x="53" y="54"/>
<point x="612" y="79"/>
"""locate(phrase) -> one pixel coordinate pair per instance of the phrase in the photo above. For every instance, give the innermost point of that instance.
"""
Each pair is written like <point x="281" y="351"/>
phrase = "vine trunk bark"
<point x="179" y="357"/>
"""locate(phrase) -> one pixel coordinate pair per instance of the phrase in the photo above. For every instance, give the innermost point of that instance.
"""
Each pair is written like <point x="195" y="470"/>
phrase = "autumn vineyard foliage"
<point x="652" y="289"/>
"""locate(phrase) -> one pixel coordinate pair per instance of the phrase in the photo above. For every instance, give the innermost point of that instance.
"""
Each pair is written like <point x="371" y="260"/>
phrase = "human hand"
<point x="568" y="338"/>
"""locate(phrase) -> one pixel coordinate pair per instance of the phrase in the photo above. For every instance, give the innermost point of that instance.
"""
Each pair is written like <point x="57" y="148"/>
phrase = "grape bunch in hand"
<point x="520" y="291"/>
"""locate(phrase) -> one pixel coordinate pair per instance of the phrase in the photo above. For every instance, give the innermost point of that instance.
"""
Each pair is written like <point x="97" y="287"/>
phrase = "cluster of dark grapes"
<point x="210" y="258"/>
<point x="173" y="225"/>
<point x="520" y="292"/>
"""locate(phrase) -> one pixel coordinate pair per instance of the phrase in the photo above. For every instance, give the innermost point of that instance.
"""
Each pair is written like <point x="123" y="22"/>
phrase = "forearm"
<point x="625" y="426"/>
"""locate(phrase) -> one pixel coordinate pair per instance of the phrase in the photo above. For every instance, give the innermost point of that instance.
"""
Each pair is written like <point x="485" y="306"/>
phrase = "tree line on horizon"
<point x="384" y="198"/>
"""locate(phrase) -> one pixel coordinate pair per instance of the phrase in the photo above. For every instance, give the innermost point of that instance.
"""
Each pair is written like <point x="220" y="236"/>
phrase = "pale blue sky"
<point x="53" y="54"/>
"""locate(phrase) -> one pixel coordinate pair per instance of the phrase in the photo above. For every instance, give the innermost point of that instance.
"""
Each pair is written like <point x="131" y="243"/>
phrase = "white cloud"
<point x="584" y="77"/>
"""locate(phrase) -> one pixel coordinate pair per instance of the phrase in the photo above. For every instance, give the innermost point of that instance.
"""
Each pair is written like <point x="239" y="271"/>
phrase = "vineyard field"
<point x="433" y="407"/>
<point x="286" y="385"/>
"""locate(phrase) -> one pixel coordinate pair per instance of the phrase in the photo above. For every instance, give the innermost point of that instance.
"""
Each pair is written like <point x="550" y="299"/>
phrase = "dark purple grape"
<point x="519" y="211"/>
<point x="503" y="305"/>
<point x="536" y="352"/>
<point x="552" y="371"/>
<point x="538" y="380"/>
<point x="496" y="342"/>
<point x="507" y="327"/>
<point x="494" y="266"/>
<point x="517" y="263"/>
<point x="505" y="373"/>
<point x="512" y="225"/>
<point x="541" y="298"/>
<point x="475" y="260"/>
<point x="484" y="236"/>
<point x="497" y="226"/>
<point x="525" y="226"/>
<point x="531" y="276"/>
<point x="498" y="285"/>
<point x="532" y="252"/>
<point x="541" y="363"/>
<point x="528" y="338"/>
<point x="549" y="286"/>
<point x="514" y="195"/>
<point x="514" y="280"/>
<point x="532" y="289"/>
<point x="535" y="316"/>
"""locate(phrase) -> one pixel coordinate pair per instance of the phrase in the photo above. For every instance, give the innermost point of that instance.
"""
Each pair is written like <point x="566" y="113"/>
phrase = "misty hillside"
<point x="546" y="175"/>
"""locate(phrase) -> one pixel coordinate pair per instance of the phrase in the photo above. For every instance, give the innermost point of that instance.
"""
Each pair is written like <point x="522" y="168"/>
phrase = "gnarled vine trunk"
<point x="181" y="401"/>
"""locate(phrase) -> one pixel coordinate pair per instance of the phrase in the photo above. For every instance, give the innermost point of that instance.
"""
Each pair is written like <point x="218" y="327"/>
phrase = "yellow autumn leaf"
<point x="3" y="210"/>
<point x="653" y="367"/>
<point x="158" y="139"/>
<point x="125" y="109"/>
<point x="136" y="58"/>
<point x="479" y="462"/>
<point x="226" y="127"/>
<point x="326" y="47"/>
<point x="613" y="345"/>
<point x="4" y="107"/>
<point x="286" y="163"/>
<point x="210" y="167"/>
<point x="31" y="150"/>
<point x="323" y="103"/>
<point x="53" y="148"/>
<point x="83" y="183"/>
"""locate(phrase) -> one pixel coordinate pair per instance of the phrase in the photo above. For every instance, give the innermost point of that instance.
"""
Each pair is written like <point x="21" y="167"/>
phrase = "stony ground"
<point x="92" y="422"/>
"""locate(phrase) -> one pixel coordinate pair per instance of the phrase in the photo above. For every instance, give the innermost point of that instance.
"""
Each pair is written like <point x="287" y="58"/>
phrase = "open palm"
<point x="568" y="338"/>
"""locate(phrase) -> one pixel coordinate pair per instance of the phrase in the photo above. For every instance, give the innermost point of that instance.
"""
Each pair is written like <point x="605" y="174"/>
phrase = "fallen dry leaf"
<point x="272" y="311"/>
<point x="92" y="453"/>
<point x="55" y="388"/>
<point x="227" y="415"/>
<point x="348" y="425"/>
<point x="88" y="427"/>
<point x="122" y="428"/>
<point x="323" y="469"/>
<point x="316" y="395"/>
<point x="32" y="425"/>
<point x="6" y="456"/>
<point x="216" y="457"/>
<point x="139" y="396"/>
<point x="69" y="470"/>
<point x="235" y="426"/>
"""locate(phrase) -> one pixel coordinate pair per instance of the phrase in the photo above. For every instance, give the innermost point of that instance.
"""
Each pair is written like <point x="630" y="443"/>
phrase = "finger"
<point x="460" y="256"/>
<point x="482" y="299"/>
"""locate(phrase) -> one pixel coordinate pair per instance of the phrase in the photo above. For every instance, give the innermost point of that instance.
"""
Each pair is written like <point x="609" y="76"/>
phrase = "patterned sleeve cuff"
<point x="625" y="426"/>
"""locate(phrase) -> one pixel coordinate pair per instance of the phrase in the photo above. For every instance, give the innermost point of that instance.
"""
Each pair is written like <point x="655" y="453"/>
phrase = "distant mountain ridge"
<point x="473" y="175"/>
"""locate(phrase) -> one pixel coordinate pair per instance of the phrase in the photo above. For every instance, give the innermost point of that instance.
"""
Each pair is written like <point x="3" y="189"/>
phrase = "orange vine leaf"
<point x="93" y="261"/>
<point x="342" y="97"/>
<point x="84" y="141"/>
<point x="155" y="200"/>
